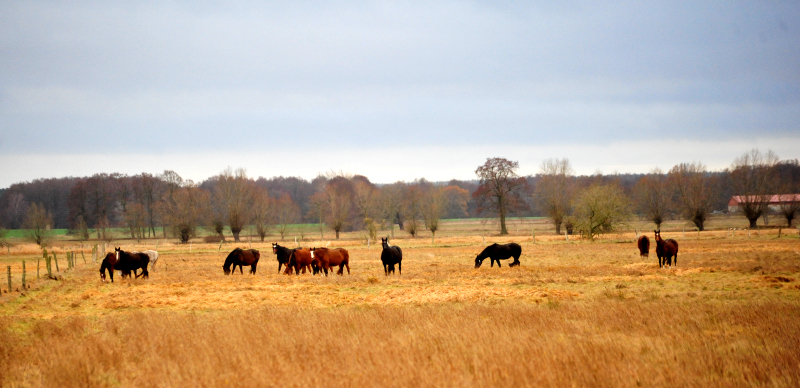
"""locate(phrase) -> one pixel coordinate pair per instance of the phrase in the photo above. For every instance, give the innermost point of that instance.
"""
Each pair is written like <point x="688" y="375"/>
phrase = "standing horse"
<point x="644" y="246"/>
<point x="666" y="250"/>
<point x="241" y="257"/>
<point x="153" y="258"/>
<point x="328" y="258"/>
<point x="131" y="261"/>
<point x="283" y="253"/>
<point x="390" y="256"/>
<point x="301" y="259"/>
<point x="497" y="252"/>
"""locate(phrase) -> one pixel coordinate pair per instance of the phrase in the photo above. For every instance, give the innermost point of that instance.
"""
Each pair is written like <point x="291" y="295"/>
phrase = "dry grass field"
<point x="575" y="313"/>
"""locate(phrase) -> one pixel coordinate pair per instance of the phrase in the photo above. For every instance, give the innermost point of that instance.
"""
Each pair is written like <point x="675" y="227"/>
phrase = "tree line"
<point x="166" y="205"/>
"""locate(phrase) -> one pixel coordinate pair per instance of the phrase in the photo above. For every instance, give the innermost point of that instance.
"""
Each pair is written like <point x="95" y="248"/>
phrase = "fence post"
<point x="84" y="257"/>
<point x="220" y="246"/>
<point x="37" y="267"/>
<point x="23" y="274"/>
<point x="533" y="233"/>
<point x="566" y="235"/>
<point x="56" y="260"/>
<point x="8" y="268"/>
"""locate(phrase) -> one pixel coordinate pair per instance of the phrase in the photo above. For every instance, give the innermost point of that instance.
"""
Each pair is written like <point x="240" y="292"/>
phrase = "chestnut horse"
<point x="283" y="255"/>
<point x="390" y="256"/>
<point x="301" y="259"/>
<point x="497" y="252"/>
<point x="241" y="257"/>
<point x="328" y="258"/>
<point x="666" y="249"/>
<point x="108" y="263"/>
<point x="644" y="246"/>
<point x="131" y="261"/>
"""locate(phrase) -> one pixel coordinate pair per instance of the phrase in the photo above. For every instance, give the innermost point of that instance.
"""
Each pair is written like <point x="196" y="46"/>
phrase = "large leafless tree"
<point x="695" y="191"/>
<point x="185" y="210"/>
<point x="234" y="191"/>
<point x="434" y="206"/>
<point x="500" y="188"/>
<point x="752" y="177"/>
<point x="555" y="189"/>
<point x="653" y="196"/>
<point x="37" y="224"/>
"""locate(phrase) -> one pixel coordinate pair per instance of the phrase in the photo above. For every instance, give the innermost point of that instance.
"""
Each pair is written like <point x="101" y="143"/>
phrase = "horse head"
<point x="478" y="261"/>
<point x="312" y="252"/>
<point x="275" y="248"/>
<point x="117" y="251"/>
<point x="385" y="242"/>
<point x="658" y="235"/>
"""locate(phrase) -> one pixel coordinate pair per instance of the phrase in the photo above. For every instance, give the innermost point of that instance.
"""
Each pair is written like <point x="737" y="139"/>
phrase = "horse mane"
<point x="229" y="259"/>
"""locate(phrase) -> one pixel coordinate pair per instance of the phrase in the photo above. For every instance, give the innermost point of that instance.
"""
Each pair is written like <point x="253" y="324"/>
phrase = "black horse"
<point x="497" y="252"/>
<point x="130" y="261"/>
<point x="390" y="256"/>
<point x="284" y="254"/>
<point x="241" y="257"/>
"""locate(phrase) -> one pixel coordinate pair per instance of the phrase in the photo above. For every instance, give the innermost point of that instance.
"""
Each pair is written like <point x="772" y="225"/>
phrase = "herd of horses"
<point x="324" y="260"/>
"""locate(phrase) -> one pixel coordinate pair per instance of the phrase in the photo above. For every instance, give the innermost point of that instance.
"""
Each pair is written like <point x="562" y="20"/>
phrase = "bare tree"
<point x="334" y="203"/>
<point x="391" y="199"/>
<point x="37" y="224"/>
<point x="600" y="208"/>
<point x="653" y="197"/>
<point x="412" y="208"/>
<point x="234" y="192"/>
<point x="456" y="200"/>
<point x="186" y="210"/>
<point x="262" y="212"/>
<point x="433" y="208"/>
<point x="135" y="218"/>
<point x="500" y="188"/>
<point x="695" y="191"/>
<point x="752" y="178"/>
<point x="367" y="201"/>
<point x="286" y="213"/>
<point x="555" y="189"/>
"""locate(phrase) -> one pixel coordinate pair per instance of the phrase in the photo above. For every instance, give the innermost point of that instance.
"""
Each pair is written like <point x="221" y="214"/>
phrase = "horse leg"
<point x="385" y="269"/>
<point x="676" y="259"/>
<point x="348" y="268"/>
<point x="279" y="266"/>
<point x="399" y="267"/>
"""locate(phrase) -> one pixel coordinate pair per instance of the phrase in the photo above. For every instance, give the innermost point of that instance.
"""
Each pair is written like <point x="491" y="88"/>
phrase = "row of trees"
<point x="146" y="203"/>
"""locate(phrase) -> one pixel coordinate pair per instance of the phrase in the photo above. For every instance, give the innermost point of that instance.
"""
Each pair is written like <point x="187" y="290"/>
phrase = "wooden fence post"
<point x="84" y="257"/>
<point x="9" y="278"/>
<point x="37" y="267"/>
<point x="220" y="246"/>
<point x="56" y="260"/>
<point x="23" y="274"/>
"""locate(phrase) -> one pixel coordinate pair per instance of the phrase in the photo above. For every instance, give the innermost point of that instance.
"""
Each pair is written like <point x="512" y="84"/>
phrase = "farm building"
<point x="774" y="203"/>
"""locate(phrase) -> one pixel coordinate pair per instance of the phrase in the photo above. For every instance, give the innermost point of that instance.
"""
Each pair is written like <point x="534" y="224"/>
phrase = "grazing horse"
<point x="241" y="257"/>
<point x="666" y="249"/>
<point x="131" y="261"/>
<point x="108" y="263"/>
<point x="301" y="259"/>
<point x="284" y="254"/>
<point x="644" y="246"/>
<point x="328" y="258"/>
<point x="390" y="256"/>
<point x="497" y="252"/>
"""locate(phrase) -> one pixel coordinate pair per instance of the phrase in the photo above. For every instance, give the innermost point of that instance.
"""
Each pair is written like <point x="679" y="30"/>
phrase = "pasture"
<point x="573" y="314"/>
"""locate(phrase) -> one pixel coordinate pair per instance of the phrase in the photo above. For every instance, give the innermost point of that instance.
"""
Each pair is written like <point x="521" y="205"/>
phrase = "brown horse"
<point x="241" y="257"/>
<point x="301" y="259"/>
<point x="131" y="261"/>
<point x="108" y="264"/>
<point x="666" y="250"/>
<point x="328" y="258"/>
<point x="644" y="246"/>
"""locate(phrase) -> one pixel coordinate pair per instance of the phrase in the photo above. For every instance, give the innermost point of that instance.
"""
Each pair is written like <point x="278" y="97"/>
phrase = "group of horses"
<point x="665" y="249"/>
<point x="127" y="262"/>
<point x="324" y="260"/>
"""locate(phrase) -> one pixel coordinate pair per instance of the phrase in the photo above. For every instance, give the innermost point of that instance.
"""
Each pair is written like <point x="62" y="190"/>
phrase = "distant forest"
<point x="146" y="202"/>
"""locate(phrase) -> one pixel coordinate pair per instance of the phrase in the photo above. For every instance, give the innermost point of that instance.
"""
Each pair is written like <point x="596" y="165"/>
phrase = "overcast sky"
<point x="392" y="90"/>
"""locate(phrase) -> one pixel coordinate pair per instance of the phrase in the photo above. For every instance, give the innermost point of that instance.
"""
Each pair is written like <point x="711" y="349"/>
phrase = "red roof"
<point x="775" y="199"/>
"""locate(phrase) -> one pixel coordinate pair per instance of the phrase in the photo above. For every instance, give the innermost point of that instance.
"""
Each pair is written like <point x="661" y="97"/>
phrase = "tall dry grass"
<point x="602" y="343"/>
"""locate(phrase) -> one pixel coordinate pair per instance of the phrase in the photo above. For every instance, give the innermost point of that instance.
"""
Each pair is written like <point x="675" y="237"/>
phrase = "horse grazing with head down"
<point x="666" y="249"/>
<point x="131" y="261"/>
<point x="241" y="257"/>
<point x="644" y="246"/>
<point x="497" y="252"/>
<point x="283" y="255"/>
<point x="328" y="258"/>
<point x="390" y="256"/>
<point x="301" y="259"/>
<point x="108" y="264"/>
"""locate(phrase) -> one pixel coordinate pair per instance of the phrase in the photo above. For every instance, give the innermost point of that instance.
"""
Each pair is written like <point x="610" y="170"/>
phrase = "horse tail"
<point x="345" y="255"/>
<point x="516" y="250"/>
<point x="256" y="254"/>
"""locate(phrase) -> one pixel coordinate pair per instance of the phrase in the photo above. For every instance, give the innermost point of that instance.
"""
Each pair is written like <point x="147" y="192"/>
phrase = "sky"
<point x="392" y="90"/>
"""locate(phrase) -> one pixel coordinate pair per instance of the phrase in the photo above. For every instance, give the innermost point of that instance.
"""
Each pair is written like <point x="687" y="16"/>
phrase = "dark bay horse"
<point x="241" y="257"/>
<point x="497" y="252"/>
<point x="108" y="264"/>
<point x="131" y="261"/>
<point x="390" y="256"/>
<point x="666" y="249"/>
<point x="283" y="253"/>
<point x="644" y="246"/>
<point x="328" y="258"/>
<point x="301" y="259"/>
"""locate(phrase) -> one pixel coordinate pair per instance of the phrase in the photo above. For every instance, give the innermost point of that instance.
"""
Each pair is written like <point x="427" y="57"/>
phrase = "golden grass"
<point x="579" y="313"/>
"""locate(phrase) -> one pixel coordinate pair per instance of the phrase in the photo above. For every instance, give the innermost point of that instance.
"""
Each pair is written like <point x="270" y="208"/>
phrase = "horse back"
<point x="671" y="246"/>
<point x="644" y="244"/>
